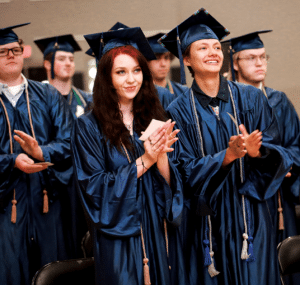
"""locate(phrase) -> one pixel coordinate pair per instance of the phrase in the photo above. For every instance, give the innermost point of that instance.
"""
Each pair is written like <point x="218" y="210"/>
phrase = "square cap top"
<point x="247" y="41"/>
<point x="7" y="35"/>
<point x="58" y="43"/>
<point x="201" y="25"/>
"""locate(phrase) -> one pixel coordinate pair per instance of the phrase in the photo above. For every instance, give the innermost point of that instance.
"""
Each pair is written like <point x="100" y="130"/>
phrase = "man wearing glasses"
<point x="35" y="169"/>
<point x="249" y="66"/>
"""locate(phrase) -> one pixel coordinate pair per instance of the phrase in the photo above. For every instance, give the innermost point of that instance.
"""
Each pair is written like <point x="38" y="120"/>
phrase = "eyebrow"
<point x="121" y="67"/>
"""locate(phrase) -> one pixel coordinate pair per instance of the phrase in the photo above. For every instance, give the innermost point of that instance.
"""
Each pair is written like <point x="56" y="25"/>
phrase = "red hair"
<point x="146" y="104"/>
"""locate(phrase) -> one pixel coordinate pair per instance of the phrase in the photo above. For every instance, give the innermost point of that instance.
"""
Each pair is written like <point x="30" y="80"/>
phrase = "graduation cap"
<point x="244" y="42"/>
<point x="115" y="27"/>
<point x="201" y="25"/>
<point x="58" y="43"/>
<point x="153" y="37"/>
<point x="101" y="43"/>
<point x="7" y="35"/>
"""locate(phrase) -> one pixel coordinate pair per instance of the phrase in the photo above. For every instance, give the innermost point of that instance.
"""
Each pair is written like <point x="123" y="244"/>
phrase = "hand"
<point x="289" y="174"/>
<point x="26" y="164"/>
<point x="155" y="144"/>
<point x="29" y="145"/>
<point x="253" y="141"/>
<point x="171" y="136"/>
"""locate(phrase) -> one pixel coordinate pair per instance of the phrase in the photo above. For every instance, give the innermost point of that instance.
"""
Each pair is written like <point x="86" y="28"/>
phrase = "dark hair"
<point x="21" y="43"/>
<point x="171" y="56"/>
<point x="48" y="57"/>
<point x="187" y="54"/>
<point x="146" y="104"/>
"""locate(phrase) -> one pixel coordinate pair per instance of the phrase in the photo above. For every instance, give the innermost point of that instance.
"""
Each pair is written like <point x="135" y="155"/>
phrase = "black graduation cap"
<point x="248" y="41"/>
<point x="244" y="42"/>
<point x="100" y="43"/>
<point x="201" y="25"/>
<point x="153" y="38"/>
<point x="58" y="43"/>
<point x="7" y="35"/>
<point x="115" y="27"/>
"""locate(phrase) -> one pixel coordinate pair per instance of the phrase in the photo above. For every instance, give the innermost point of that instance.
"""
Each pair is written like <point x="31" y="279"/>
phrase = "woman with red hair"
<point x="130" y="189"/>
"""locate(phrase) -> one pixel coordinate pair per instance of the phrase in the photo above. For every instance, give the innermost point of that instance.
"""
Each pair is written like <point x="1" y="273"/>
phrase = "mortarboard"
<point x="7" y="35"/>
<point x="244" y="42"/>
<point x="58" y="43"/>
<point x="101" y="43"/>
<point x="201" y="25"/>
<point x="115" y="27"/>
<point x="153" y="37"/>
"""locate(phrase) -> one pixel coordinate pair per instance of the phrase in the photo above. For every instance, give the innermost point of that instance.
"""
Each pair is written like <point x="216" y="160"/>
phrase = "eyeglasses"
<point x="252" y="59"/>
<point x="15" y="51"/>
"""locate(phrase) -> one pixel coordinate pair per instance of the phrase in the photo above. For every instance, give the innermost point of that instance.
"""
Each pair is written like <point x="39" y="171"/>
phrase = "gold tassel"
<point x="146" y="272"/>
<point x="45" y="204"/>
<point x="14" y="211"/>
<point x="244" y="254"/>
<point x="211" y="268"/>
<point x="280" y="210"/>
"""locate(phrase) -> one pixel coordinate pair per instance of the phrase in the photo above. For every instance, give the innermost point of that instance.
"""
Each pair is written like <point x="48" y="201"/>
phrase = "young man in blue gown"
<point x="231" y="161"/>
<point x="249" y="66"/>
<point x="35" y="164"/>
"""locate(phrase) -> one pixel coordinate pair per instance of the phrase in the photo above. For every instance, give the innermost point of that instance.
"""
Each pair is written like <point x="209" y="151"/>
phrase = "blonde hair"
<point x="235" y="57"/>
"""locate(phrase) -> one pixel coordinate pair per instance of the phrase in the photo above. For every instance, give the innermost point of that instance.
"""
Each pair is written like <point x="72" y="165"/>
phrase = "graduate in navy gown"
<point x="160" y="67"/>
<point x="129" y="188"/>
<point x="35" y="131"/>
<point x="229" y="156"/>
<point x="249" y="65"/>
<point x="59" y="64"/>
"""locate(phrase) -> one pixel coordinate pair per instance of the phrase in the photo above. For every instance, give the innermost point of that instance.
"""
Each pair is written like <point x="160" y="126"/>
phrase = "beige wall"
<point x="55" y="17"/>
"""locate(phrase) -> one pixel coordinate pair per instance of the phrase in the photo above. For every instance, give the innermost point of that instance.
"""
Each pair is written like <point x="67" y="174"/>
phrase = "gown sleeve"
<point x="108" y="195"/>
<point x="263" y="176"/>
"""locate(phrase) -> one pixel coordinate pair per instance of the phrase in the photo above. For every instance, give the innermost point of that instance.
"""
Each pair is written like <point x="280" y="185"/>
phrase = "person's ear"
<point x="47" y="65"/>
<point x="187" y="61"/>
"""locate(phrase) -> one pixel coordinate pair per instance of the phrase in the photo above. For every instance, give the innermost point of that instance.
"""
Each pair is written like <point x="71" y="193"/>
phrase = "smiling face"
<point x="10" y="65"/>
<point x="251" y="66"/>
<point x="205" y="57"/>
<point x="127" y="77"/>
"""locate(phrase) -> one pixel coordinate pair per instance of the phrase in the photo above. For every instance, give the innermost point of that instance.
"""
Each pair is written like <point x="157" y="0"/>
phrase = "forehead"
<point x="248" y="52"/>
<point x="63" y="54"/>
<point x="10" y="45"/>
<point x="205" y="42"/>
<point x="124" y="60"/>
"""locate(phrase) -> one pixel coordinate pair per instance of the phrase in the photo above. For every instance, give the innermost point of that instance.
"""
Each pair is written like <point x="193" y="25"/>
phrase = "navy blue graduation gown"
<point x="36" y="238"/>
<point x="209" y="189"/>
<point x="118" y="204"/>
<point x="88" y="98"/>
<point x="289" y="129"/>
<point x="178" y="89"/>
<point x="165" y="96"/>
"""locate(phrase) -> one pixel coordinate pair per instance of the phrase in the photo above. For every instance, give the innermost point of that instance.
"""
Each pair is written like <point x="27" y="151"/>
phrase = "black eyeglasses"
<point x="15" y="51"/>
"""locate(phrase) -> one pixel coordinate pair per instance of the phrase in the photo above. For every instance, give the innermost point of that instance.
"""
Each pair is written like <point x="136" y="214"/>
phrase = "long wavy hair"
<point x="146" y="104"/>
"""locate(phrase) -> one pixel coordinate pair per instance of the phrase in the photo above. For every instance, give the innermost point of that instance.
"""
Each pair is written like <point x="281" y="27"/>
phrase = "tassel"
<point x="207" y="258"/>
<point x="45" y="204"/>
<point x="251" y="257"/>
<point x="211" y="268"/>
<point x="146" y="272"/>
<point x="182" y="72"/>
<point x="231" y="63"/>
<point x="281" y="223"/>
<point x="14" y="211"/>
<point x="244" y="254"/>
<point x="280" y="210"/>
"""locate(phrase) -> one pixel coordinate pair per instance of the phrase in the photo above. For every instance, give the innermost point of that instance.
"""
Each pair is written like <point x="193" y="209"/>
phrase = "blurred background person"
<point x="160" y="67"/>
<point x="60" y="67"/>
